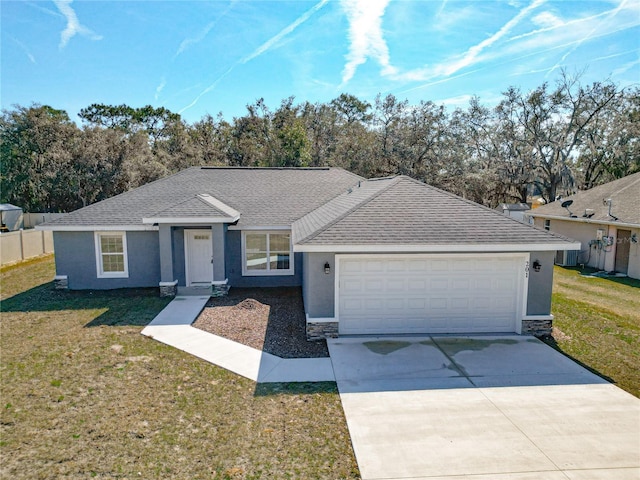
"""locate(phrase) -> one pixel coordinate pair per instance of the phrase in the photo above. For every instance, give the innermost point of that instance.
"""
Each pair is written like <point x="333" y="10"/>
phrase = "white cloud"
<point x="538" y="45"/>
<point x="365" y="36"/>
<point x="73" y="24"/>
<point x="441" y="8"/>
<point x="284" y="32"/>
<point x="160" y="87"/>
<point x="626" y="67"/>
<point x="597" y="28"/>
<point x="187" y="42"/>
<point x="24" y="48"/>
<point x="471" y="55"/>
<point x="547" y="20"/>
<point x="260" y="50"/>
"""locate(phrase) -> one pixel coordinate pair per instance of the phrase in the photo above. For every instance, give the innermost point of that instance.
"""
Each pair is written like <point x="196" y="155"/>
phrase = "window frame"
<point x="268" y="272"/>
<point x="99" y="264"/>
<point x="547" y="224"/>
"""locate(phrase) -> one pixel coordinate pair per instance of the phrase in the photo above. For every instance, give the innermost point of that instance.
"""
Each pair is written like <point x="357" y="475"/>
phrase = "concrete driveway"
<point x="486" y="407"/>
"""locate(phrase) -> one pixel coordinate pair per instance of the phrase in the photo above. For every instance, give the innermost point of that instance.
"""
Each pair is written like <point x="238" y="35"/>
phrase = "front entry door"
<point x="198" y="257"/>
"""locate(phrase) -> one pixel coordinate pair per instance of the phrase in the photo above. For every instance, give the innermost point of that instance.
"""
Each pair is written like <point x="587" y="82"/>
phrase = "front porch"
<point x="192" y="260"/>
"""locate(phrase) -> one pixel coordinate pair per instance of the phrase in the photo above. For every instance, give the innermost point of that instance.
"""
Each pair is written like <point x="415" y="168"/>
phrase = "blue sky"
<point x="199" y="57"/>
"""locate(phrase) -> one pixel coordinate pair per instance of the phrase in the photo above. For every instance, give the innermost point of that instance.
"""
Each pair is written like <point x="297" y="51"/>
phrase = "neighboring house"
<point x="10" y="217"/>
<point x="514" y="210"/>
<point x="381" y="256"/>
<point x="605" y="220"/>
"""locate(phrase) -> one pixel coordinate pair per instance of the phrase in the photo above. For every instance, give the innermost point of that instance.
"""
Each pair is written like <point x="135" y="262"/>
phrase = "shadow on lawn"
<point x="549" y="340"/>
<point x="122" y="307"/>
<point x="588" y="271"/>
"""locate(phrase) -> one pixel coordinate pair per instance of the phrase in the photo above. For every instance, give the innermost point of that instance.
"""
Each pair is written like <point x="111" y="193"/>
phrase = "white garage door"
<point x="429" y="293"/>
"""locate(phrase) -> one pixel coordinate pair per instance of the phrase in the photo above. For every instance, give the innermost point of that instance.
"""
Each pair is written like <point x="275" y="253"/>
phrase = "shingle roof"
<point x="625" y="203"/>
<point x="332" y="210"/>
<point x="193" y="207"/>
<point x="403" y="211"/>
<point x="263" y="196"/>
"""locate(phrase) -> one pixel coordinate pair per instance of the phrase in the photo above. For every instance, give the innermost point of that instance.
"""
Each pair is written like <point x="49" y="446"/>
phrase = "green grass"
<point x="84" y="395"/>
<point x="597" y="322"/>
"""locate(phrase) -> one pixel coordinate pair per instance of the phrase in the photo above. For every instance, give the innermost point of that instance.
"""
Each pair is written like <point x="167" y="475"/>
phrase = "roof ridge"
<point x="394" y="181"/>
<point x="466" y="200"/>
<point x="631" y="184"/>
<point x="218" y="204"/>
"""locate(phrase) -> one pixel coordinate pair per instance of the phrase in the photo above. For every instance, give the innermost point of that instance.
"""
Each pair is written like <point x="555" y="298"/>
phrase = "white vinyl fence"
<point x="33" y="219"/>
<point x="23" y="244"/>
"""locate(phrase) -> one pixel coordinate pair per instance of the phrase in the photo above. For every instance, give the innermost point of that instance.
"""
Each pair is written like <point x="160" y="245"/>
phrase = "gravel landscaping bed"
<point x="268" y="319"/>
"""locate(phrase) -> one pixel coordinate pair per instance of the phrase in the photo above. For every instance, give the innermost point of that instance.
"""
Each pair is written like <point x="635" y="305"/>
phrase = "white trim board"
<point x="472" y="248"/>
<point x="189" y="220"/>
<point x="612" y="222"/>
<point x="223" y="207"/>
<point x="264" y="228"/>
<point x="97" y="228"/>
<point x="319" y="319"/>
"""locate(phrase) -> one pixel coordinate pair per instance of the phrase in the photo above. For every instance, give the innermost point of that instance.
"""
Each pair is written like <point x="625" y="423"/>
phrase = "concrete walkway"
<point x="505" y="408"/>
<point x="172" y="326"/>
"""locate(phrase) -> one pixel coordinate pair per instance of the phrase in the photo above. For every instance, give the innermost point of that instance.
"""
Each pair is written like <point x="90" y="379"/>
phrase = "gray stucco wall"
<point x="178" y="256"/>
<point x="318" y="288"/>
<point x="218" y="236"/>
<point x="540" y="284"/>
<point x="233" y="264"/>
<point x="76" y="258"/>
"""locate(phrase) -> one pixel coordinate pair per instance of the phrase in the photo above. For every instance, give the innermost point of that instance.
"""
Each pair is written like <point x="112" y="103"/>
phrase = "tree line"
<point x="551" y="140"/>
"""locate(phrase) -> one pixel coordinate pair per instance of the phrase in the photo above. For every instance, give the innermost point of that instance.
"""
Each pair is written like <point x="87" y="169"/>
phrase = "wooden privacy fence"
<point x="23" y="244"/>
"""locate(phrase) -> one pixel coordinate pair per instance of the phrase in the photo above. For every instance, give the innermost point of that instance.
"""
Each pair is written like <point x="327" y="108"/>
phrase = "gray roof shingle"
<point x="263" y="196"/>
<point x="625" y="202"/>
<point x="403" y="211"/>
<point x="193" y="207"/>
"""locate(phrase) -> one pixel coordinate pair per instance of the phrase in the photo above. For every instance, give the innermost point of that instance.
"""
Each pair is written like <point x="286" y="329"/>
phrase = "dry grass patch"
<point x="84" y="395"/>
<point x="597" y="322"/>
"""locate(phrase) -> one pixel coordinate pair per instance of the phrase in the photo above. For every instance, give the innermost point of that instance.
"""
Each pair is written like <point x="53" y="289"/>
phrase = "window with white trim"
<point x="267" y="253"/>
<point x="111" y="255"/>
<point x="547" y="224"/>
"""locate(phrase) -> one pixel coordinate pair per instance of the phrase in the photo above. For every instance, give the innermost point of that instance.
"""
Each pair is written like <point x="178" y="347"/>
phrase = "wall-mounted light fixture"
<point x="327" y="268"/>
<point x="537" y="265"/>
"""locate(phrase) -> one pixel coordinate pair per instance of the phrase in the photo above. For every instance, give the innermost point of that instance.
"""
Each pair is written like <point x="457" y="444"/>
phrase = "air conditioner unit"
<point x="566" y="258"/>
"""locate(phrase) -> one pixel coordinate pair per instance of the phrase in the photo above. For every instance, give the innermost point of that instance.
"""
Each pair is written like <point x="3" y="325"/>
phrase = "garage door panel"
<point x="396" y="285"/>
<point x="373" y="286"/>
<point x="396" y="266"/>
<point x="416" y="285"/>
<point x="428" y="295"/>
<point x="419" y="265"/>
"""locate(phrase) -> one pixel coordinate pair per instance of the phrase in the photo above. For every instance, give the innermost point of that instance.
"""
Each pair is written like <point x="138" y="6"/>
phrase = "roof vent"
<point x="609" y="202"/>
<point x="566" y="204"/>
<point x="589" y="212"/>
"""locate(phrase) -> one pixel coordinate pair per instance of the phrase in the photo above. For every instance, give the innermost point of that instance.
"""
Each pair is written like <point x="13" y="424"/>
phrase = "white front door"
<point x="198" y="254"/>
<point x="385" y="294"/>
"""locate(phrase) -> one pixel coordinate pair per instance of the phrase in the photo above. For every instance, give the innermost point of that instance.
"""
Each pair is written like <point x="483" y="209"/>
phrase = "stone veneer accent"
<point x="322" y="330"/>
<point x="539" y="328"/>
<point x="220" y="290"/>
<point x="61" y="282"/>
<point x="168" y="289"/>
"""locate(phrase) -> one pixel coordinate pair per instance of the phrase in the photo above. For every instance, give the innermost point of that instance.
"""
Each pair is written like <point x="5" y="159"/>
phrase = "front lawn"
<point x="597" y="322"/>
<point x="85" y="395"/>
